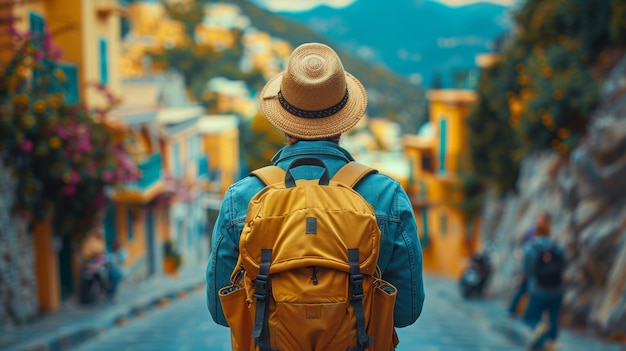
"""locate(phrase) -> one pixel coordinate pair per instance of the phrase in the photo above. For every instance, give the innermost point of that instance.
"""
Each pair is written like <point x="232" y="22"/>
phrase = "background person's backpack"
<point x="549" y="267"/>
<point x="307" y="275"/>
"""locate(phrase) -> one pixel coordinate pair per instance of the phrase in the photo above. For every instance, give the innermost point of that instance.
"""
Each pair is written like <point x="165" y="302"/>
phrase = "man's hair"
<point x="543" y="229"/>
<point x="546" y="214"/>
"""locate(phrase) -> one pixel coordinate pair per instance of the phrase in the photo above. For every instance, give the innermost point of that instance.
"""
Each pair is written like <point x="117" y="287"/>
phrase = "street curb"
<point x="68" y="337"/>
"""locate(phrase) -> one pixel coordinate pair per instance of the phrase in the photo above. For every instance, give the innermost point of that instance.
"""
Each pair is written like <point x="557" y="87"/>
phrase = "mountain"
<point x="390" y="95"/>
<point x="418" y="39"/>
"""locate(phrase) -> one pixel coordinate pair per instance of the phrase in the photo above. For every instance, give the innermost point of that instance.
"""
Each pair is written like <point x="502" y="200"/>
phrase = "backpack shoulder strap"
<point x="352" y="173"/>
<point x="269" y="174"/>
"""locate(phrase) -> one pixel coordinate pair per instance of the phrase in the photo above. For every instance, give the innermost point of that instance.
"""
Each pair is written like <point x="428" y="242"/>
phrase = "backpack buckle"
<point x="260" y="291"/>
<point x="356" y="286"/>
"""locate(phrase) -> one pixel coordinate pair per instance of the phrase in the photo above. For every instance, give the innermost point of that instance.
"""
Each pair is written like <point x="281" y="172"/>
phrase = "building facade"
<point x="437" y="156"/>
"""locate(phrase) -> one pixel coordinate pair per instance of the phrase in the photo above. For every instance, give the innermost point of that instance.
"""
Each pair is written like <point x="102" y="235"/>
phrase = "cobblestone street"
<point x="447" y="323"/>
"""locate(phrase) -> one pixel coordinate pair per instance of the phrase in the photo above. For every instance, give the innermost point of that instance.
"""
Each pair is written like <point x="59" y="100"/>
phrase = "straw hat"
<point x="313" y="98"/>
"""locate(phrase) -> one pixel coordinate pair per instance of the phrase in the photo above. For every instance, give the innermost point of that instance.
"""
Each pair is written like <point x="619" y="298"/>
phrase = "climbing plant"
<point x="61" y="152"/>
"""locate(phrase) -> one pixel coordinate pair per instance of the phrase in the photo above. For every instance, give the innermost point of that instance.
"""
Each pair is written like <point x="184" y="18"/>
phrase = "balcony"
<point x="145" y="188"/>
<point x="151" y="169"/>
<point x="106" y="8"/>
<point x="203" y="167"/>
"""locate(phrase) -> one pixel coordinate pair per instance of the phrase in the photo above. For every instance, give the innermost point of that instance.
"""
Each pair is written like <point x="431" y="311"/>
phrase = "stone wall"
<point x="18" y="288"/>
<point x="585" y="193"/>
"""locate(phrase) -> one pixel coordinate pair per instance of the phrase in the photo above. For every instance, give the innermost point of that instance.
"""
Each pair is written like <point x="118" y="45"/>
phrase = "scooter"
<point x="94" y="280"/>
<point x="474" y="279"/>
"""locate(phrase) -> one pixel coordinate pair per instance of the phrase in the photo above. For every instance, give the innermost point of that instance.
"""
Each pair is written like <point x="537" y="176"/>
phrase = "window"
<point x="104" y="62"/>
<point x="442" y="144"/>
<point x="427" y="162"/>
<point x="37" y="28"/>
<point x="70" y="85"/>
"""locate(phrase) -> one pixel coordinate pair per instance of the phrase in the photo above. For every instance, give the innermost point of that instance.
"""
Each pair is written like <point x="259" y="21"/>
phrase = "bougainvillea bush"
<point x="62" y="153"/>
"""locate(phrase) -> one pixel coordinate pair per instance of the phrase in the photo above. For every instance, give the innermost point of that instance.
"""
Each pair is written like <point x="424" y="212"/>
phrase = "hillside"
<point x="390" y="95"/>
<point x="415" y="39"/>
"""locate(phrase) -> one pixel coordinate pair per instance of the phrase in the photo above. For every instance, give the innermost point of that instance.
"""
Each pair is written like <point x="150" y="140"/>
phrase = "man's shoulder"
<point x="246" y="187"/>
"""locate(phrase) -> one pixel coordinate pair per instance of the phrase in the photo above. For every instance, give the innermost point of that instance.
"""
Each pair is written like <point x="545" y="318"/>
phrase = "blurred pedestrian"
<point x="93" y="245"/>
<point x="544" y="263"/>
<point x="115" y="260"/>
<point x="521" y="282"/>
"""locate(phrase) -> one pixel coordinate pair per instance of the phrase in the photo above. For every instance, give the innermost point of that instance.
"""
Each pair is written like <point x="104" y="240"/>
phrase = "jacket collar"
<point x="317" y="148"/>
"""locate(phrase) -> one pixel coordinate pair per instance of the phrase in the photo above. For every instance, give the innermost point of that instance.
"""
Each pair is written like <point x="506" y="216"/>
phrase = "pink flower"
<point x="74" y="177"/>
<point x="83" y="146"/>
<point x="108" y="176"/>
<point x="38" y="56"/>
<point x="68" y="190"/>
<point x="26" y="146"/>
<point x="62" y="132"/>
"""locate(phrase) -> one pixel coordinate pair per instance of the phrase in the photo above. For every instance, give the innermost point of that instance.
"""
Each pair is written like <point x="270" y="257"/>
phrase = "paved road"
<point x="185" y="325"/>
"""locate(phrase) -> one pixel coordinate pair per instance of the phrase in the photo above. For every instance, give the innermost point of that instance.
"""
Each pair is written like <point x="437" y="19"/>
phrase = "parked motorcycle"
<point x="94" y="280"/>
<point x="474" y="279"/>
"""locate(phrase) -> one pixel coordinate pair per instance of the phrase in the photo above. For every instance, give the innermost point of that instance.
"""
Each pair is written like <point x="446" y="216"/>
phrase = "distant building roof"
<point x="167" y="88"/>
<point x="453" y="95"/>
<point x="175" y="115"/>
<point x="228" y="87"/>
<point x="214" y="124"/>
<point x="426" y="130"/>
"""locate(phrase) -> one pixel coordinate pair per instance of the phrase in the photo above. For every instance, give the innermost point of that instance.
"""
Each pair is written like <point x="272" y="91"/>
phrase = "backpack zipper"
<point x="314" y="277"/>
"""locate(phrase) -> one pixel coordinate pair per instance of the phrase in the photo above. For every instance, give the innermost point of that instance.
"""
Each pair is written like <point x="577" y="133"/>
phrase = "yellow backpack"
<point x="307" y="275"/>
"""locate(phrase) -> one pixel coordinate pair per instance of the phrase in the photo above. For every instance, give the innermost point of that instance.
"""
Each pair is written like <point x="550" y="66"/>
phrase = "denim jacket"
<point x="400" y="258"/>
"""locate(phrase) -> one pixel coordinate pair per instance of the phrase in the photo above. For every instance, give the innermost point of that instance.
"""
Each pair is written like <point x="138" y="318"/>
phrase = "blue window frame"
<point x="70" y="85"/>
<point x="442" y="144"/>
<point x="104" y="61"/>
<point x="110" y="230"/>
<point x="37" y="27"/>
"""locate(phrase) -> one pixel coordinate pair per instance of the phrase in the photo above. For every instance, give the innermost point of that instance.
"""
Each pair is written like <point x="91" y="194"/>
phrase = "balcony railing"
<point x="151" y="172"/>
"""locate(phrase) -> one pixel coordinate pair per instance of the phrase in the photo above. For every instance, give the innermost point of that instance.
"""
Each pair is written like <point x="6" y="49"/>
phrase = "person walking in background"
<point x="520" y="279"/>
<point x="115" y="261"/>
<point x="313" y="102"/>
<point x="544" y="263"/>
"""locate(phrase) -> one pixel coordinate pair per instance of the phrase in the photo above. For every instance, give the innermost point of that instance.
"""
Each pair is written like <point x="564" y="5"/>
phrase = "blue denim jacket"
<point x="400" y="258"/>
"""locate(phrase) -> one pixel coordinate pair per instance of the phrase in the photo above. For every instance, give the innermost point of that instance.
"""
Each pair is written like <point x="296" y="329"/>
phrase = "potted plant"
<point x="172" y="258"/>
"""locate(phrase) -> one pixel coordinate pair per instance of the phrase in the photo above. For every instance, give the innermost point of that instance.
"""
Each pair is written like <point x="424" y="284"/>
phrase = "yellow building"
<point x="87" y="34"/>
<point x="186" y="167"/>
<point x="220" y="134"/>
<point x="265" y="53"/>
<point x="448" y="235"/>
<point x="151" y="30"/>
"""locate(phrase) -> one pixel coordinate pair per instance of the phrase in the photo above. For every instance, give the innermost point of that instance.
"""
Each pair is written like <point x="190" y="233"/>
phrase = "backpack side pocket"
<point x="239" y="317"/>
<point x="381" y="321"/>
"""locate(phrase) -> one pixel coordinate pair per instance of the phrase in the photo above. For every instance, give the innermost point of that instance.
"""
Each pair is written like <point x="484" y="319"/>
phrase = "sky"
<point x="303" y="5"/>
